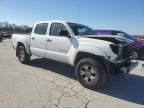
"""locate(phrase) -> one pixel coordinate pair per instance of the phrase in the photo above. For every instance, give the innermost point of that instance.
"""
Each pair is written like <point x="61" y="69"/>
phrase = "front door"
<point x="58" y="46"/>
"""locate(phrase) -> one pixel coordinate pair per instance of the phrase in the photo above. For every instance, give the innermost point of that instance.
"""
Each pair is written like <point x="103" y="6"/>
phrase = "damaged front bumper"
<point x="122" y="66"/>
<point x="128" y="69"/>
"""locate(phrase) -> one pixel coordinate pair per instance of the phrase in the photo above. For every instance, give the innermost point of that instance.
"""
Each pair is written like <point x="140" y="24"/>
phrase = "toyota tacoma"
<point x="77" y="45"/>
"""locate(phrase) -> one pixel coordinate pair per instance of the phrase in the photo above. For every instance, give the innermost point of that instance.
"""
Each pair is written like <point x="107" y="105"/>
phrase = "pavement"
<point x="49" y="84"/>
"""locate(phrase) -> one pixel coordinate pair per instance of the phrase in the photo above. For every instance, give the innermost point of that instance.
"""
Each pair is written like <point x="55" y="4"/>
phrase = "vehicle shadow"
<point x="57" y="67"/>
<point x="126" y="87"/>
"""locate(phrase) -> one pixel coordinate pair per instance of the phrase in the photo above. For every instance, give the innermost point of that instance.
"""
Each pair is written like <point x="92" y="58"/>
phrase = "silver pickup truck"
<point x="92" y="57"/>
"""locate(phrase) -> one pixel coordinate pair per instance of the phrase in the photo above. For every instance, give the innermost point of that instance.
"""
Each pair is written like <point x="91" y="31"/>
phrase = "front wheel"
<point x="90" y="73"/>
<point x="22" y="55"/>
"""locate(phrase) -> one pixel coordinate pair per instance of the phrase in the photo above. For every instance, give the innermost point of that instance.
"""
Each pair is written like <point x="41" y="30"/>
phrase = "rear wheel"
<point x="90" y="73"/>
<point x="22" y="55"/>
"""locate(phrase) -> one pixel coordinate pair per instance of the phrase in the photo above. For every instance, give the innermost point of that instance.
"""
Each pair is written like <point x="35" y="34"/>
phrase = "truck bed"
<point x="19" y="38"/>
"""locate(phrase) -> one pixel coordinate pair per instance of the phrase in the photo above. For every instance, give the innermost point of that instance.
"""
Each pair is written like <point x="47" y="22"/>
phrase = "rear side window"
<point x="56" y="28"/>
<point x="41" y="28"/>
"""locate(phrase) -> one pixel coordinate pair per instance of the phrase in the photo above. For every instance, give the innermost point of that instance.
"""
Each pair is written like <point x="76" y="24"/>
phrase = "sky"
<point x="125" y="15"/>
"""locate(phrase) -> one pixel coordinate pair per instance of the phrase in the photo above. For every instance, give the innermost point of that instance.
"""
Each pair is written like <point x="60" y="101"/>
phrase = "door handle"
<point x="33" y="38"/>
<point x="48" y="40"/>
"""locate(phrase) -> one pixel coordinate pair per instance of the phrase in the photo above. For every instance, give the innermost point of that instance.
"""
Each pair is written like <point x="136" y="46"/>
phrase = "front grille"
<point x="126" y="51"/>
<point x="115" y="48"/>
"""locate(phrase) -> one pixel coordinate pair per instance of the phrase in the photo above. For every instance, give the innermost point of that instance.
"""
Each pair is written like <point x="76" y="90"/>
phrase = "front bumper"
<point x="125" y="66"/>
<point x="128" y="69"/>
<point x="123" y="63"/>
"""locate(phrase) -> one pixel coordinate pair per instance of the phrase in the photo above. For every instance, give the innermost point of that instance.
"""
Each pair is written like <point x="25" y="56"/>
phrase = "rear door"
<point x="38" y="40"/>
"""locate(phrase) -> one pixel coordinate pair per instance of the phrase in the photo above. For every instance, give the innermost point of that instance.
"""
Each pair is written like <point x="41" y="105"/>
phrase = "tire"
<point x="90" y="73"/>
<point x="23" y="56"/>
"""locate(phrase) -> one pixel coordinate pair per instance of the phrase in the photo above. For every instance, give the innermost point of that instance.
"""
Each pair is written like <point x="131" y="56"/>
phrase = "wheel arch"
<point x="101" y="59"/>
<point x="21" y="44"/>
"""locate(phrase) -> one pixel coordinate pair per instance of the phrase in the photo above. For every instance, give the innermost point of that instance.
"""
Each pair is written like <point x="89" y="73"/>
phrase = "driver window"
<point x="56" y="28"/>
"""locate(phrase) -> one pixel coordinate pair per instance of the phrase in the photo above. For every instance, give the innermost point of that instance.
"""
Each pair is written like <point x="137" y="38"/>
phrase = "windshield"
<point x="81" y="30"/>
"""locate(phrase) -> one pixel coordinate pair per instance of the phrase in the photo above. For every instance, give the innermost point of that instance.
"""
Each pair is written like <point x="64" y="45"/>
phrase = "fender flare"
<point x="89" y="50"/>
<point x="26" y="47"/>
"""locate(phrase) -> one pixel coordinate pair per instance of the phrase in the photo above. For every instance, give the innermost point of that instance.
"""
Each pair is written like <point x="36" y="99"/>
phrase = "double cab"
<point x="77" y="45"/>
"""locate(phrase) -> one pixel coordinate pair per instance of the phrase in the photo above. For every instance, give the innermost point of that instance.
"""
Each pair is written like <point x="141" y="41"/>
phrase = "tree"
<point x="7" y="27"/>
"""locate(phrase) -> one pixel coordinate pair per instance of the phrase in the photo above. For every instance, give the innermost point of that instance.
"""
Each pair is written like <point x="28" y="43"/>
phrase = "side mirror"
<point x="64" y="33"/>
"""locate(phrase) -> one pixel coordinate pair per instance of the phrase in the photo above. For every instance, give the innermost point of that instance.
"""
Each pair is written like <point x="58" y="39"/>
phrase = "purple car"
<point x="137" y="45"/>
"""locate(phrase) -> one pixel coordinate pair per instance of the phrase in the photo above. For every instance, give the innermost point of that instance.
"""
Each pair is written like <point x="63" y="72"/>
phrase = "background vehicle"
<point x="7" y="35"/>
<point x="75" y="44"/>
<point x="1" y="37"/>
<point x="137" y="44"/>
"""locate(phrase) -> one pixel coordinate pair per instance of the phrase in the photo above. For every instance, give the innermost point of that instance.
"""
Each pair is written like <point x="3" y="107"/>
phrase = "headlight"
<point x="115" y="48"/>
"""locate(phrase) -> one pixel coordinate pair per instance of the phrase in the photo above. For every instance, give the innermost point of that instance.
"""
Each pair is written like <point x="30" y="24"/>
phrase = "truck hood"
<point x="92" y="40"/>
<point x="108" y="38"/>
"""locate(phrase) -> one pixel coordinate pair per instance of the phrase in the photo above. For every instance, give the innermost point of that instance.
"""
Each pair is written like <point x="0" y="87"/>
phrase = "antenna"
<point x="78" y="7"/>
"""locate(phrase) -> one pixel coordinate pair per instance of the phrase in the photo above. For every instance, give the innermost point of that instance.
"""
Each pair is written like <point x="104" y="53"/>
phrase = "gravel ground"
<point x="48" y="84"/>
